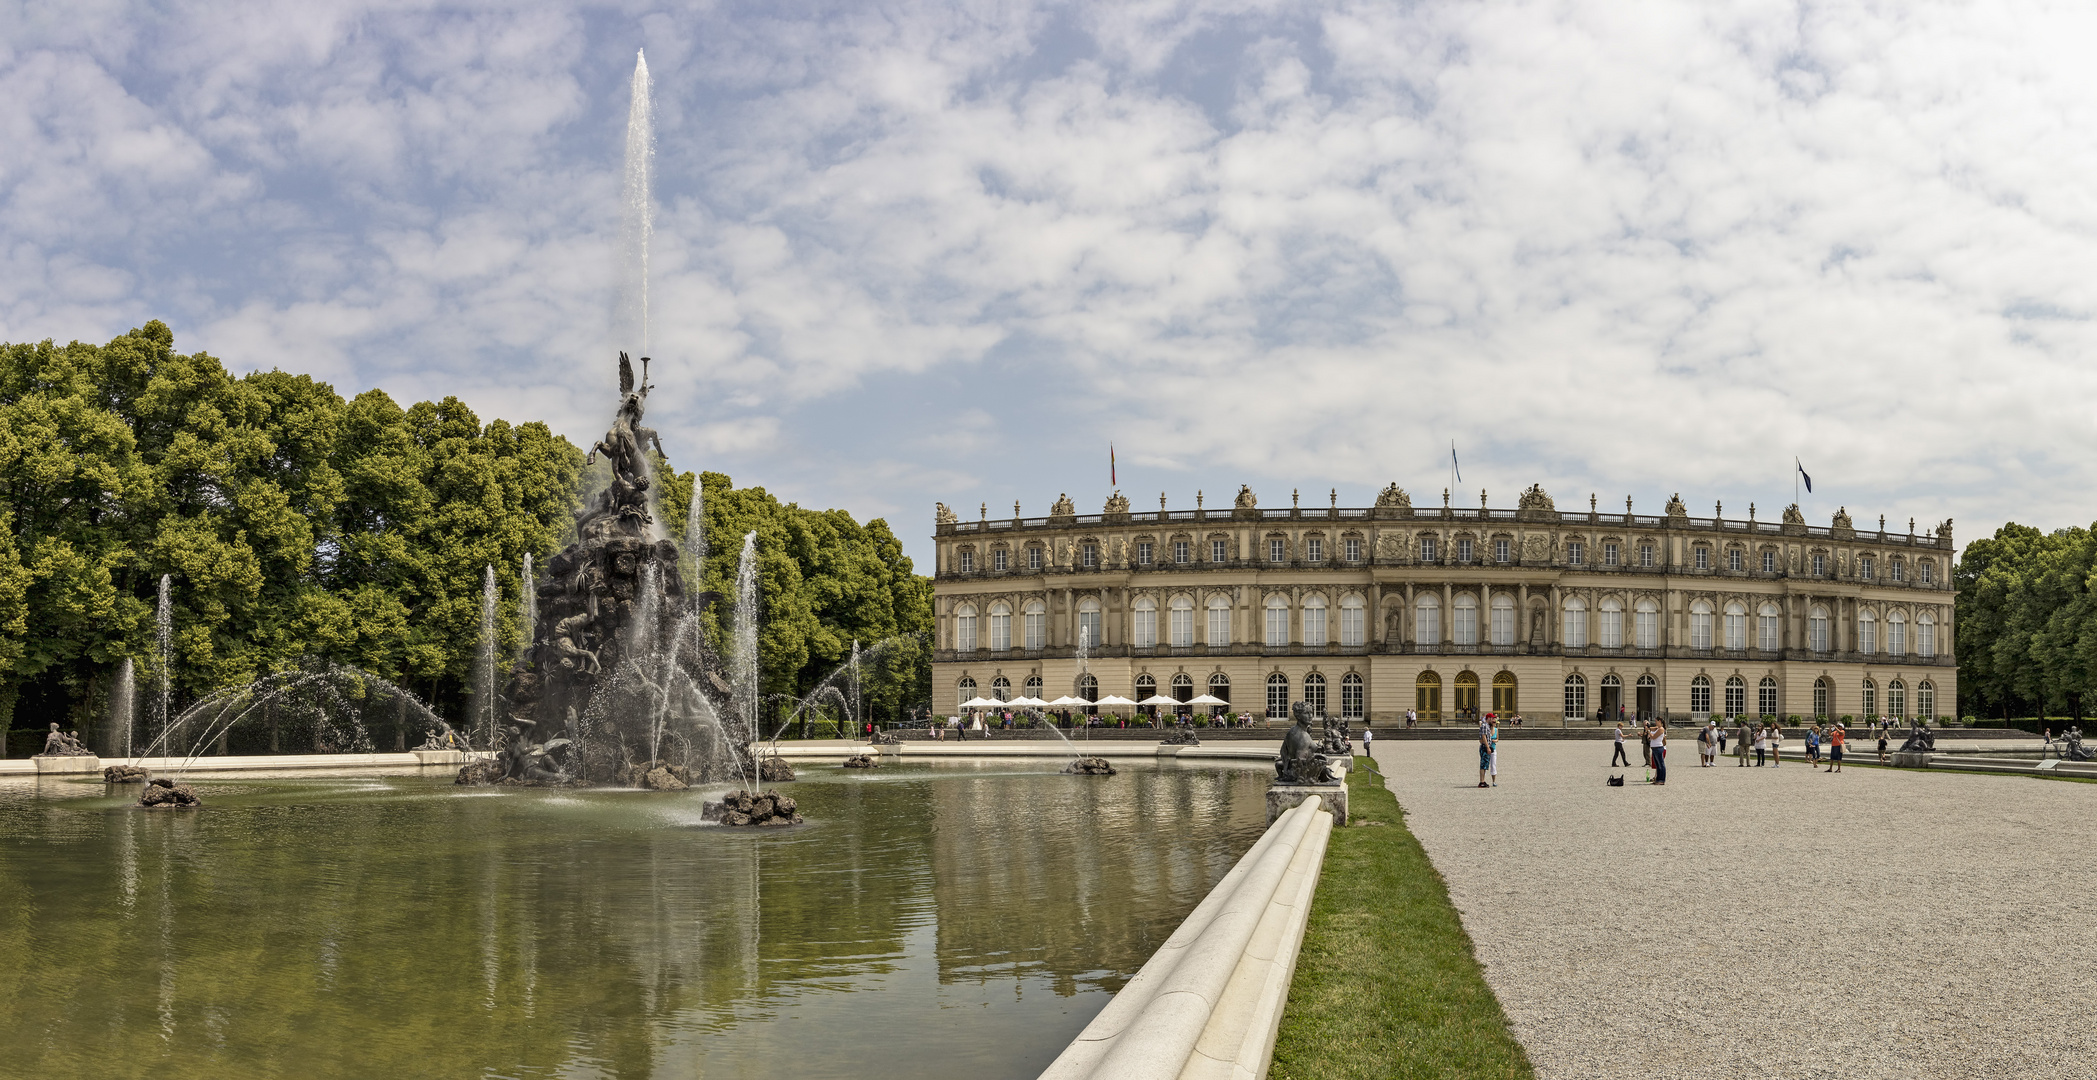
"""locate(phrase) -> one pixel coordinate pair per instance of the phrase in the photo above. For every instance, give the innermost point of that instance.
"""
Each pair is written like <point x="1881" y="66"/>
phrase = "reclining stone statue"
<point x="1300" y="762"/>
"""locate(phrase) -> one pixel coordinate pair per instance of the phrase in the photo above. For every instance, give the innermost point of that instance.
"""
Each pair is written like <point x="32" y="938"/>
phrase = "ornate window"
<point x="1277" y="622"/>
<point x="1736" y="625"/>
<point x="1821" y="704"/>
<point x="1647" y="623"/>
<point x="1032" y="686"/>
<point x="1463" y="550"/>
<point x="1703" y="557"/>
<point x="1219" y="551"/>
<point x="1034" y="556"/>
<point x="968" y="561"/>
<point x="1277" y="696"/>
<point x="1001" y="689"/>
<point x="1645" y="555"/>
<point x="1182" y="687"/>
<point x="1088" y="555"/>
<point x="1088" y="687"/>
<point x="1699" y="625"/>
<point x="965" y="690"/>
<point x="1925" y="635"/>
<point x="1142" y="553"/>
<point x="1700" y="697"/>
<point x="1277" y="549"/>
<point x="1896" y="698"/>
<point x="1612" y="623"/>
<point x="1574" y="635"/>
<point x="1769" y="561"/>
<point x="1736" y="559"/>
<point x="1871" y="698"/>
<point x="1427" y="619"/>
<point x="1896" y="634"/>
<point x="1089" y="624"/>
<point x="1503" y="619"/>
<point x="1867" y="631"/>
<point x="1817" y="628"/>
<point x="1768" y="634"/>
<point x="965" y="628"/>
<point x="1351" y="703"/>
<point x="1146" y="629"/>
<point x="1820" y="564"/>
<point x="1464" y="628"/>
<point x="1000" y="561"/>
<point x="1314" y="621"/>
<point x="1353" y="621"/>
<point x="1182" y="621"/>
<point x="1575" y="553"/>
<point x="1736" y="696"/>
<point x="1219" y="621"/>
<point x="1146" y="687"/>
<point x="1926" y="701"/>
<point x="1609" y="556"/>
<point x="1925" y="571"/>
<point x="1501" y="550"/>
<point x="1900" y="569"/>
<point x="1182" y="552"/>
<point x="1865" y="566"/>
<point x="1314" y="549"/>
<point x="1036" y="627"/>
<point x="1220" y="686"/>
<point x="1354" y="549"/>
<point x="1427" y="549"/>
<point x="1766" y="696"/>
<point x="1314" y="692"/>
<point x="1000" y="626"/>
<point x="1575" y="696"/>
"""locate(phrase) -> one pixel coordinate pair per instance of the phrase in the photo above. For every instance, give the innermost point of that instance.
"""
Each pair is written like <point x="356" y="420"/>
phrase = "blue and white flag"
<point x="1453" y="466"/>
<point x="1802" y="472"/>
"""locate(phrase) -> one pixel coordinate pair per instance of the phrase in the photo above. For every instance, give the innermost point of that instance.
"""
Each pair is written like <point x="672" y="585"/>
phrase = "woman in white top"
<point x="1776" y="746"/>
<point x="1761" y="744"/>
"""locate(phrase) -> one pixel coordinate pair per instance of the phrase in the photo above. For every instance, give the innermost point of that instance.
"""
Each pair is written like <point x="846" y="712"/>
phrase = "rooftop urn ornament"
<point x="1197" y="498"/>
<point x="1015" y="509"/>
<point x="1882" y="523"/>
<point x="942" y="514"/>
<point x="984" y="511"/>
<point x="1592" y="502"/>
<point x="1295" y="497"/>
<point x="1911" y="526"/>
<point x="1161" y="504"/>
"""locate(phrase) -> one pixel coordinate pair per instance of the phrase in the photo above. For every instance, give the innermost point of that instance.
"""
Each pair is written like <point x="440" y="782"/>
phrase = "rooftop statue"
<point x="1792" y="515"/>
<point x="1842" y="518"/>
<point x="1117" y="503"/>
<point x="1675" y="509"/>
<point x="1394" y="498"/>
<point x="1536" y="499"/>
<point x="1063" y="507"/>
<point x="1246" y="499"/>
<point x="942" y="515"/>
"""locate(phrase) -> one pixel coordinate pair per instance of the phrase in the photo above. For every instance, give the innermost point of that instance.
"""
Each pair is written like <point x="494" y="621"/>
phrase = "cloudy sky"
<point x="907" y="253"/>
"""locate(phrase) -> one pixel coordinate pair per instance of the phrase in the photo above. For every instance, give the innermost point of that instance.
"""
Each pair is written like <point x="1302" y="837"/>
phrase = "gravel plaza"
<point x="1766" y="922"/>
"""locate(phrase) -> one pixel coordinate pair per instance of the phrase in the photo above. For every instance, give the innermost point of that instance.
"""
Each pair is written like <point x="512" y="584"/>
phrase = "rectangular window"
<point x="1182" y="627"/>
<point x="1900" y="570"/>
<point x="1768" y="634"/>
<point x="1000" y="631"/>
<point x="1703" y="558"/>
<point x="1817" y="630"/>
<point x="1735" y="560"/>
<point x="1645" y="555"/>
<point x="1276" y="550"/>
<point x="1867" y="636"/>
<point x="1864" y="567"/>
<point x="1427" y="549"/>
<point x="1314" y="626"/>
<point x="1820" y="699"/>
<point x="1466" y="628"/>
<point x="1736" y="697"/>
<point x="1503" y="624"/>
<point x="1314" y="549"/>
<point x="1182" y="552"/>
<point x="1091" y="556"/>
<point x="1926" y="639"/>
<point x="997" y="560"/>
<point x="1896" y="638"/>
<point x="1769" y="562"/>
<point x="1576" y="698"/>
<point x="965" y="632"/>
<point x="1699" y="629"/>
<point x="1219" y="551"/>
<point x="1036" y="629"/>
<point x="1820" y="565"/>
<point x="1897" y="700"/>
<point x="1033" y="558"/>
<point x="1143" y="553"/>
<point x="1351" y="627"/>
<point x="968" y="562"/>
<point x="1612" y="629"/>
<point x="1277" y="627"/>
<point x="1427" y="628"/>
<point x="1501" y="550"/>
<point x="1700" y="697"/>
<point x="1647" y="623"/>
<point x="1351" y="698"/>
<point x="1146" y="635"/>
<point x="1463" y="551"/>
<point x="1609" y="555"/>
<point x="1088" y="629"/>
<point x="1925" y="700"/>
<point x="1736" y="630"/>
<point x="1922" y="570"/>
<point x="1575" y="636"/>
<point x="1575" y="553"/>
<point x="1871" y="700"/>
<point x="1354" y="549"/>
<point x="1219" y="626"/>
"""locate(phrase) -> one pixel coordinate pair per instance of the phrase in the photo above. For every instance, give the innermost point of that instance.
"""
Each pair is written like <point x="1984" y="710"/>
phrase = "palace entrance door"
<point x="1648" y="698"/>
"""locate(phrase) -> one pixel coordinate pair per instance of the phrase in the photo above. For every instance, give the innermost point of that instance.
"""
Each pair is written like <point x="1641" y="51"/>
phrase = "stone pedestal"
<point x="1910" y="760"/>
<point x="75" y="763"/>
<point x="1281" y="797"/>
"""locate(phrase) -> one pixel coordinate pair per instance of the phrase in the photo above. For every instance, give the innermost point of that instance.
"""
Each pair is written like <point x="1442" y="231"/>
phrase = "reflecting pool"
<point x="928" y="921"/>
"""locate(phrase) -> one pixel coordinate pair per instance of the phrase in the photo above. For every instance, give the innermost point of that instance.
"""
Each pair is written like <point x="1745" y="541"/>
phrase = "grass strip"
<point x="1387" y="984"/>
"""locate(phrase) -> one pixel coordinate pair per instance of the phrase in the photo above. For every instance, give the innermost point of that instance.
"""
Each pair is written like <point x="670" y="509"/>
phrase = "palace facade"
<point x="1372" y="611"/>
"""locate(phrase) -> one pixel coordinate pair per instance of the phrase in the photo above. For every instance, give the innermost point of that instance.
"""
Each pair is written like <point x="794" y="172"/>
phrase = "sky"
<point x="907" y="253"/>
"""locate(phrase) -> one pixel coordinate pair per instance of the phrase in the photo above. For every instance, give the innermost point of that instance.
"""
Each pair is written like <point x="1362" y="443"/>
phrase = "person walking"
<point x="1492" y="735"/>
<point x="1620" y="758"/>
<point x="1835" y="739"/>
<point x="1412" y="717"/>
<point x="1656" y="741"/>
<point x="1882" y="746"/>
<point x="1714" y="745"/>
<point x="1485" y="756"/>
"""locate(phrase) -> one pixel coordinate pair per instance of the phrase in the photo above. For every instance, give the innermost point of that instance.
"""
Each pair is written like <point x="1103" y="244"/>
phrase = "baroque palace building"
<point x="1370" y="612"/>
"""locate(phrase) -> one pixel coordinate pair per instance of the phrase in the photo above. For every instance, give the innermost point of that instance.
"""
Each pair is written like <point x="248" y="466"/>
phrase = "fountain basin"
<point x="48" y="764"/>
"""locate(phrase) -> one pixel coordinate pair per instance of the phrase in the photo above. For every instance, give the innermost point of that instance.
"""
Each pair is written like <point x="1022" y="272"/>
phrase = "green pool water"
<point x="928" y="922"/>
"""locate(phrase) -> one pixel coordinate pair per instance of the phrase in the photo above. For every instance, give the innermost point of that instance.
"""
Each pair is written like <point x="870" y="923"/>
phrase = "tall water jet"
<point x="637" y="212"/>
<point x="695" y="535"/>
<point x="744" y="660"/>
<point x="163" y="624"/>
<point x="527" y="613"/>
<point x="122" y="707"/>
<point x="484" y="702"/>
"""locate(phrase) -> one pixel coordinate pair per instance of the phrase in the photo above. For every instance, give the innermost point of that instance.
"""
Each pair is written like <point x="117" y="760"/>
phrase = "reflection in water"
<point x="967" y="920"/>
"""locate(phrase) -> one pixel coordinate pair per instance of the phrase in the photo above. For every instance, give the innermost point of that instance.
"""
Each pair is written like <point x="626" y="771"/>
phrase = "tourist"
<point x="1882" y="746"/>
<point x="1776" y="745"/>
<point x="1715" y="738"/>
<point x="1492" y="736"/>
<point x="1835" y="736"/>
<point x="1412" y="717"/>
<point x="1656" y="742"/>
<point x="1485" y="757"/>
<point x="1761" y="745"/>
<point x="1368" y="742"/>
<point x="1645" y="751"/>
<point x="1813" y="745"/>
<point x="1619" y="757"/>
<point x="1740" y="744"/>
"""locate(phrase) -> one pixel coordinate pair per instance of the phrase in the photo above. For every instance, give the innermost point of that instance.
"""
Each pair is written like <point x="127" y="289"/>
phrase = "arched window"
<point x="1219" y="621"/>
<point x="1466" y="704"/>
<point x="1700" y="697"/>
<point x="965" y="689"/>
<point x="1575" y="635"/>
<point x="1220" y="686"/>
<point x="1182" y="621"/>
<point x="1146" y="687"/>
<point x="1088" y="687"/>
<point x="1089" y="624"/>
<point x="1314" y="620"/>
<point x="1503" y="619"/>
<point x="1699" y="625"/>
<point x="1823" y="698"/>
<point x="1277" y="696"/>
<point x="1736" y="696"/>
<point x="1314" y="692"/>
<point x="1896" y="634"/>
<point x="1036" y="624"/>
<point x="1352" y="705"/>
<point x="1277" y="621"/>
<point x="1427" y="619"/>
<point x="1000" y="627"/>
<point x="1767" y="636"/>
<point x="965" y="628"/>
<point x="1145" y="634"/>
<point x="1926" y="698"/>
<point x="1648" y="696"/>
<point x="1464" y="627"/>
<point x="1766" y="696"/>
<point x="1505" y="700"/>
<point x="1001" y="689"/>
<point x="1925" y="636"/>
<point x="1427" y="696"/>
<point x="1867" y="631"/>
<point x="1871" y="698"/>
<point x="1817" y="628"/>
<point x="1896" y="698"/>
<point x="1736" y="625"/>
<point x="1647" y="617"/>
<point x="1353" y="621"/>
<point x="1033" y="686"/>
<point x="1182" y="686"/>
<point x="1612" y="623"/>
<point x="1575" y="696"/>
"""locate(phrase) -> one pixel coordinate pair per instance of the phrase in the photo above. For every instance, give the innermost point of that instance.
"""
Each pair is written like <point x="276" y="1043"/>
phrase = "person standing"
<point x="1813" y="745"/>
<point x="1835" y="740"/>
<point x="1368" y="742"/>
<point x="1485" y="757"/>
<point x="1656" y="743"/>
<point x="1492" y="741"/>
<point x="1620" y="757"/>
<point x="1776" y="746"/>
<point x="1882" y="746"/>
<point x="1703" y="745"/>
<point x="1761" y="745"/>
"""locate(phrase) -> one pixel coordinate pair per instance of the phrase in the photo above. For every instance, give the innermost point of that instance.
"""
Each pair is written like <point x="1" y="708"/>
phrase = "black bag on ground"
<point x="1617" y="780"/>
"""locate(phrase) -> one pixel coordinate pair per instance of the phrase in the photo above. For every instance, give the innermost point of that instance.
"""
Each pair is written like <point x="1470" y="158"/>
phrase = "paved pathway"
<point x="1758" y="922"/>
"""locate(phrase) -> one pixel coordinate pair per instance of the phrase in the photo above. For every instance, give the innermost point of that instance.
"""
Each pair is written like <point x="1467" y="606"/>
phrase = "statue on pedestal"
<point x="1300" y="762"/>
<point x="60" y="744"/>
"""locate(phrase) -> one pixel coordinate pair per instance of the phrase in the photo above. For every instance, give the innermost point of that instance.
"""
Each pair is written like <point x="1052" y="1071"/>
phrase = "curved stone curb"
<point x="1208" y="1004"/>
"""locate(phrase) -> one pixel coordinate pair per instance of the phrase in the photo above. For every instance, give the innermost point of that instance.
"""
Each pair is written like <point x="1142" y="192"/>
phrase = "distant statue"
<point x="943" y="515"/>
<point x="1394" y="498"/>
<point x="1339" y="742"/>
<point x="59" y="744"/>
<point x="2072" y="748"/>
<point x="1921" y="740"/>
<point x="1063" y="507"/>
<point x="1117" y="503"/>
<point x="432" y="741"/>
<point x="1536" y="499"/>
<point x="1675" y="509"/>
<point x="1944" y="530"/>
<point x="1792" y="516"/>
<point x="1300" y="762"/>
<point x="1246" y="499"/>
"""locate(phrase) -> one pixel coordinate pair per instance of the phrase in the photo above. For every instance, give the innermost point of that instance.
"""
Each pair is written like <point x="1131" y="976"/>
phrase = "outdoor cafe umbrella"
<point x="1068" y="702"/>
<point x="981" y="703"/>
<point x="1159" y="699"/>
<point x="1207" y="699"/>
<point x="1025" y="702"/>
<point x="1113" y="701"/>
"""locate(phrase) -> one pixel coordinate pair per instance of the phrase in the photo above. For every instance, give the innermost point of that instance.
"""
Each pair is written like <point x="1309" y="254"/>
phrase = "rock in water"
<point x="1089" y="766"/>
<point x="860" y="762"/>
<point x="752" y="808"/>
<point x="165" y="793"/>
<point x="662" y="779"/>
<point x="773" y="770"/>
<point x="125" y="774"/>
